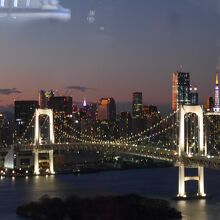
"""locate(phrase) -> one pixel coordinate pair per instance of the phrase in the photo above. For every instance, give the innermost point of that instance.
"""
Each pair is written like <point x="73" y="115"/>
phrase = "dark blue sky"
<point x="132" y="45"/>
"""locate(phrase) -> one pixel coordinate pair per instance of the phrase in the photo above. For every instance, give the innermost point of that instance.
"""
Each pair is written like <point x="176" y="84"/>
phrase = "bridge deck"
<point x="137" y="150"/>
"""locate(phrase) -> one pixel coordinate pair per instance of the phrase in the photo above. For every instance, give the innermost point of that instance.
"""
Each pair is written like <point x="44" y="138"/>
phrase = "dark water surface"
<point x="160" y="183"/>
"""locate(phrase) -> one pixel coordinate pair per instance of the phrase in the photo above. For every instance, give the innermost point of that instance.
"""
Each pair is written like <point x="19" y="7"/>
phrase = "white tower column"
<point x="36" y="129"/>
<point x="201" y="134"/>
<point x="51" y="162"/>
<point x="182" y="192"/>
<point x="205" y="144"/>
<point x="201" y="190"/>
<point x="181" y="132"/>
<point x="52" y="138"/>
<point x="38" y="113"/>
<point x="36" y="162"/>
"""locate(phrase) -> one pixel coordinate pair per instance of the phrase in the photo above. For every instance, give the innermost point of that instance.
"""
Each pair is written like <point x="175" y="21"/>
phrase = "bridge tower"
<point x="38" y="113"/>
<point x="38" y="140"/>
<point x="184" y="149"/>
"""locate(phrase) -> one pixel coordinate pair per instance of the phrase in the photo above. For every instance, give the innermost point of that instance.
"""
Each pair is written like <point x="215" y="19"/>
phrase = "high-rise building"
<point x="137" y="105"/>
<point x="194" y="96"/>
<point x="209" y="105"/>
<point x="61" y="104"/>
<point x="151" y="115"/>
<point x="44" y="97"/>
<point x="106" y="109"/>
<point x="6" y="130"/>
<point x="24" y="112"/>
<point x="125" y="124"/>
<point x="216" y="104"/>
<point x="63" y="116"/>
<point x="106" y="118"/>
<point x="180" y="89"/>
<point x="149" y="110"/>
<point x="137" y="112"/>
<point x="88" y="118"/>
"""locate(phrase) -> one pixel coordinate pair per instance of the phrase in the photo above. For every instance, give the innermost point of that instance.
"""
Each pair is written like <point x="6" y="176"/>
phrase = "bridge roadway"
<point x="137" y="150"/>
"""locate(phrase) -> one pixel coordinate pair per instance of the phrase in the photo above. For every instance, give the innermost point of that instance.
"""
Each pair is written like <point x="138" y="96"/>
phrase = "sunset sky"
<point x="125" y="46"/>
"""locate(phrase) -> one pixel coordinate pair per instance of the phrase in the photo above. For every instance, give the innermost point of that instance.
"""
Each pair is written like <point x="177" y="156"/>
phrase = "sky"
<point x="112" y="48"/>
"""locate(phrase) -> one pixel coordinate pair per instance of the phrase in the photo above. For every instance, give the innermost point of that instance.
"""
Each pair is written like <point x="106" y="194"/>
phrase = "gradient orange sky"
<point x="132" y="45"/>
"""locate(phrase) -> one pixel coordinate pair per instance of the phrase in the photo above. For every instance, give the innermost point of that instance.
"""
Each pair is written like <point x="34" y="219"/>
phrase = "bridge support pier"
<point x="183" y="179"/>
<point x="37" y="161"/>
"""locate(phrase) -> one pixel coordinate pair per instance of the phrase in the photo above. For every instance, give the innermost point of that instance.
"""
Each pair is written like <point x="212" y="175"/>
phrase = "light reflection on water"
<point x="192" y="209"/>
<point x="149" y="182"/>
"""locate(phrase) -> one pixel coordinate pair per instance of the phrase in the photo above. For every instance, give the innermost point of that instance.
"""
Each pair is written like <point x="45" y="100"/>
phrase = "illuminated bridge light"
<point x="33" y="9"/>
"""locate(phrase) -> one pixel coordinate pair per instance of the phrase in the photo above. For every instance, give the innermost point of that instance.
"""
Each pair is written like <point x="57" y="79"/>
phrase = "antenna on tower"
<point x="84" y="102"/>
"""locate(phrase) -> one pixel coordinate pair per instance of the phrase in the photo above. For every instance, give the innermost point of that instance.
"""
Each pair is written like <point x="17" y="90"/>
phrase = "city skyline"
<point x="99" y="48"/>
<point x="109" y="109"/>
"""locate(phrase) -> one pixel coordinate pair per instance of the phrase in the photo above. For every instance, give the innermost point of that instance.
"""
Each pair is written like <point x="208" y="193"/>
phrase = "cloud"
<point x="9" y="91"/>
<point x="79" y="88"/>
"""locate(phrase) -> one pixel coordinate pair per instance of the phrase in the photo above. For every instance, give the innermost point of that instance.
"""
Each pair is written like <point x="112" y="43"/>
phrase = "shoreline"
<point x="85" y="170"/>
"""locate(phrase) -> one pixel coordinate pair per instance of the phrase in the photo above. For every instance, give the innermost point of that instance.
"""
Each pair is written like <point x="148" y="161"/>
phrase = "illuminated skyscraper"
<point x="137" y="112"/>
<point x="137" y="105"/>
<point x="44" y="97"/>
<point x="62" y="112"/>
<point x="180" y="89"/>
<point x="125" y="124"/>
<point x="106" y="126"/>
<point x="209" y="105"/>
<point x="194" y="96"/>
<point x="24" y="111"/>
<point x="216" y="106"/>
<point x="107" y="109"/>
<point x="61" y="104"/>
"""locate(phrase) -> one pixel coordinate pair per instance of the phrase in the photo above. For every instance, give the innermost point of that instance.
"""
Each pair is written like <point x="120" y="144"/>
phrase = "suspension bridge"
<point x="178" y="150"/>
